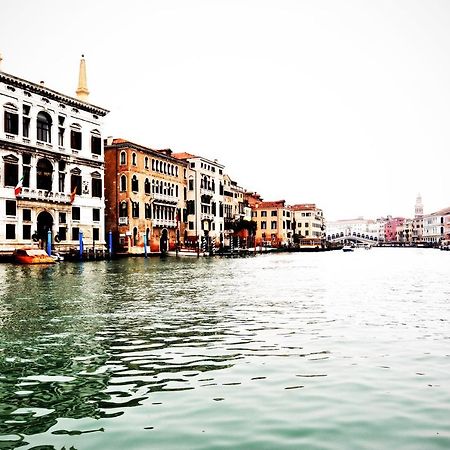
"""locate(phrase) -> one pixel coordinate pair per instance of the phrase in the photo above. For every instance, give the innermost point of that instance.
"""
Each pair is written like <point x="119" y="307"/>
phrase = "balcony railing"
<point x="165" y="198"/>
<point x="44" y="196"/>
<point x="123" y="220"/>
<point x="164" y="223"/>
<point x="206" y="216"/>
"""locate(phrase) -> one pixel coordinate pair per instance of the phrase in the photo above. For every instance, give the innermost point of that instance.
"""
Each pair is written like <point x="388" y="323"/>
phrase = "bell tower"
<point x="82" y="90"/>
<point x="419" y="207"/>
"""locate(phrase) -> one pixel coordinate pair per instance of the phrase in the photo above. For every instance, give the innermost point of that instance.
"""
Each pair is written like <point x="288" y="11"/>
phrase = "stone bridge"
<point x="365" y="238"/>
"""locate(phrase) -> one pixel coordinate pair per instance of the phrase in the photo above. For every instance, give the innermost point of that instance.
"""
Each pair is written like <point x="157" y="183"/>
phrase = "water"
<point x="282" y="351"/>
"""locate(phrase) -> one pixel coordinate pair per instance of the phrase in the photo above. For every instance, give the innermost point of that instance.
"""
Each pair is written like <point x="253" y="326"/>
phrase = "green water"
<point x="313" y="350"/>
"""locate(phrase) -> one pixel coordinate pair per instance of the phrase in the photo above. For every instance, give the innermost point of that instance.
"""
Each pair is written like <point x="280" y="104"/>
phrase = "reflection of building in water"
<point x="51" y="165"/>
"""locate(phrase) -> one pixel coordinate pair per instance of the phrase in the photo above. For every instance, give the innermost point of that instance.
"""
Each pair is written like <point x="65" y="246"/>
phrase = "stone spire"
<point x="82" y="90"/>
<point x="419" y="206"/>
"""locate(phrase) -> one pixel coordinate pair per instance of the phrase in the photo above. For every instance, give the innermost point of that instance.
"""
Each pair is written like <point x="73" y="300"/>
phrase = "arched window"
<point x="123" y="183"/>
<point x="153" y="186"/>
<point x="123" y="158"/>
<point x="153" y="164"/>
<point x="43" y="127"/>
<point x="157" y="165"/>
<point x="146" y="162"/>
<point x="134" y="184"/>
<point x="147" y="186"/>
<point x="44" y="172"/>
<point x="123" y="209"/>
<point x="134" y="159"/>
<point x="11" y="119"/>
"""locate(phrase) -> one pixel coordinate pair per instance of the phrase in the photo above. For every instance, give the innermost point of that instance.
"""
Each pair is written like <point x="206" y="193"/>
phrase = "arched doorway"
<point x="135" y="236"/>
<point x="44" y="224"/>
<point x="163" y="241"/>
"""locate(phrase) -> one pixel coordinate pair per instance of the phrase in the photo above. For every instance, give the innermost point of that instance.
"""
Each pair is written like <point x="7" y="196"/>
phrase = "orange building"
<point x="145" y="192"/>
<point x="273" y="222"/>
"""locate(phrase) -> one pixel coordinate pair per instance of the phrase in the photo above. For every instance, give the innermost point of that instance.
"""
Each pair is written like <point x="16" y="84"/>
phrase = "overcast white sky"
<point x="342" y="103"/>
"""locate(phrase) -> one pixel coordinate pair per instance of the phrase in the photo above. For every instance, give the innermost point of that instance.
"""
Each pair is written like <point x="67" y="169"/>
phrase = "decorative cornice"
<point x="41" y="90"/>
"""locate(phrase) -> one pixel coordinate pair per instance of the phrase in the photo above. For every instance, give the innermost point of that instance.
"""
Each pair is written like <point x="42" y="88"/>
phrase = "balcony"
<point x="123" y="220"/>
<point x="43" y="195"/>
<point x="207" y="216"/>
<point x="164" y="223"/>
<point x="165" y="198"/>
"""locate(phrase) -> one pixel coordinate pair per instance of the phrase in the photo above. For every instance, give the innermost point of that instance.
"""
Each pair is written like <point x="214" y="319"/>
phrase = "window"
<point x="26" y="215"/>
<point x="96" y="143"/>
<point x="44" y="172"/>
<point x="135" y="209"/>
<point x="96" y="215"/>
<point x="62" y="217"/>
<point x="61" y="137"/>
<point x="123" y="209"/>
<point x="75" y="213"/>
<point x="147" y="186"/>
<point x="273" y="213"/>
<point x="43" y="127"/>
<point x="11" y="176"/>
<point x="61" y="181"/>
<point x="263" y="213"/>
<point x="123" y="183"/>
<point x="191" y="185"/>
<point x="192" y="165"/>
<point x="26" y="121"/>
<point x="26" y="232"/>
<point x="97" y="187"/>
<point x="10" y="231"/>
<point x="10" y="207"/>
<point x="307" y="233"/>
<point x="191" y="225"/>
<point x="148" y="209"/>
<point x="146" y="162"/>
<point x="75" y="137"/>
<point x="190" y="207"/>
<point x="75" y="183"/>
<point x="263" y="225"/>
<point x="11" y="119"/>
<point x="75" y="234"/>
<point x="95" y="234"/>
<point x="134" y="159"/>
<point x="134" y="184"/>
<point x="123" y="158"/>
<point x="62" y="233"/>
<point x="273" y="225"/>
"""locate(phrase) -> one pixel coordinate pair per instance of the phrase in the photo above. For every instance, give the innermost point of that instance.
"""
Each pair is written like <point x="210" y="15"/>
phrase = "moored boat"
<point x="347" y="248"/>
<point x="32" y="256"/>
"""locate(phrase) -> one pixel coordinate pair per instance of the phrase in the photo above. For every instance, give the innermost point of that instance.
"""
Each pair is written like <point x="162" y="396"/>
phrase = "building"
<point x="204" y="201"/>
<point x="309" y="225"/>
<point x="417" y="225"/>
<point x="273" y="223"/>
<point x="145" y="197"/>
<point x="390" y="228"/>
<point x="52" y="166"/>
<point x="237" y="215"/>
<point x="435" y="226"/>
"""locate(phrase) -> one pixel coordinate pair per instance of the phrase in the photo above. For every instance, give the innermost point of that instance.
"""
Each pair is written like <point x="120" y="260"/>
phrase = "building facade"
<point x="51" y="166"/>
<point x="435" y="226"/>
<point x="204" y="202"/>
<point x="145" y="197"/>
<point x="273" y="223"/>
<point x="309" y="225"/>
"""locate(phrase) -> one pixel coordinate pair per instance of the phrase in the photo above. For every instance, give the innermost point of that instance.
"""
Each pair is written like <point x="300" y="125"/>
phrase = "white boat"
<point x="186" y="252"/>
<point x="347" y="248"/>
<point x="57" y="257"/>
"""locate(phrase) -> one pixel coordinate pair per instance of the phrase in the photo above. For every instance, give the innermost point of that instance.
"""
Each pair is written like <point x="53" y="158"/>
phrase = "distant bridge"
<point x="365" y="238"/>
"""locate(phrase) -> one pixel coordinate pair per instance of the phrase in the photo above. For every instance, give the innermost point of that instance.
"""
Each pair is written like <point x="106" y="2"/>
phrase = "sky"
<point x="345" y="104"/>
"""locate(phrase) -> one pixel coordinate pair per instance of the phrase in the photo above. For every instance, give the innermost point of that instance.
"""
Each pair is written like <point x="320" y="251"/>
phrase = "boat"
<point x="32" y="256"/>
<point x="347" y="248"/>
<point x="57" y="256"/>
<point x="186" y="252"/>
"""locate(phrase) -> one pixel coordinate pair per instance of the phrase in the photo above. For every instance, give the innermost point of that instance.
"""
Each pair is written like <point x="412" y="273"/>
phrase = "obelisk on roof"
<point x="82" y="90"/>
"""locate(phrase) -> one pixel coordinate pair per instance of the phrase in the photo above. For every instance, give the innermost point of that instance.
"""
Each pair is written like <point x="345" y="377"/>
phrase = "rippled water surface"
<point x="307" y="350"/>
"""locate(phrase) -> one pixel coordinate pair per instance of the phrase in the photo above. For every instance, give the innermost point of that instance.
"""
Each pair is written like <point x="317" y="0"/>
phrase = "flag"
<point x="18" y="188"/>
<point x="72" y="195"/>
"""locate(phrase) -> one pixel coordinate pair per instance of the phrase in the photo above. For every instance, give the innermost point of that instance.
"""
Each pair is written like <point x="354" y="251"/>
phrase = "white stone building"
<point x="51" y="146"/>
<point x="204" y="200"/>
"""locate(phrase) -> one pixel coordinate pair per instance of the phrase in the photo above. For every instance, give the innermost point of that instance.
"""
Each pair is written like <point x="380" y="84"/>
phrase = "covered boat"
<point x="32" y="256"/>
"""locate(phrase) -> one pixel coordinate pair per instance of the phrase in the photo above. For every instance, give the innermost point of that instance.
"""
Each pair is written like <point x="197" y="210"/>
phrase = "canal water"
<point x="280" y="351"/>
